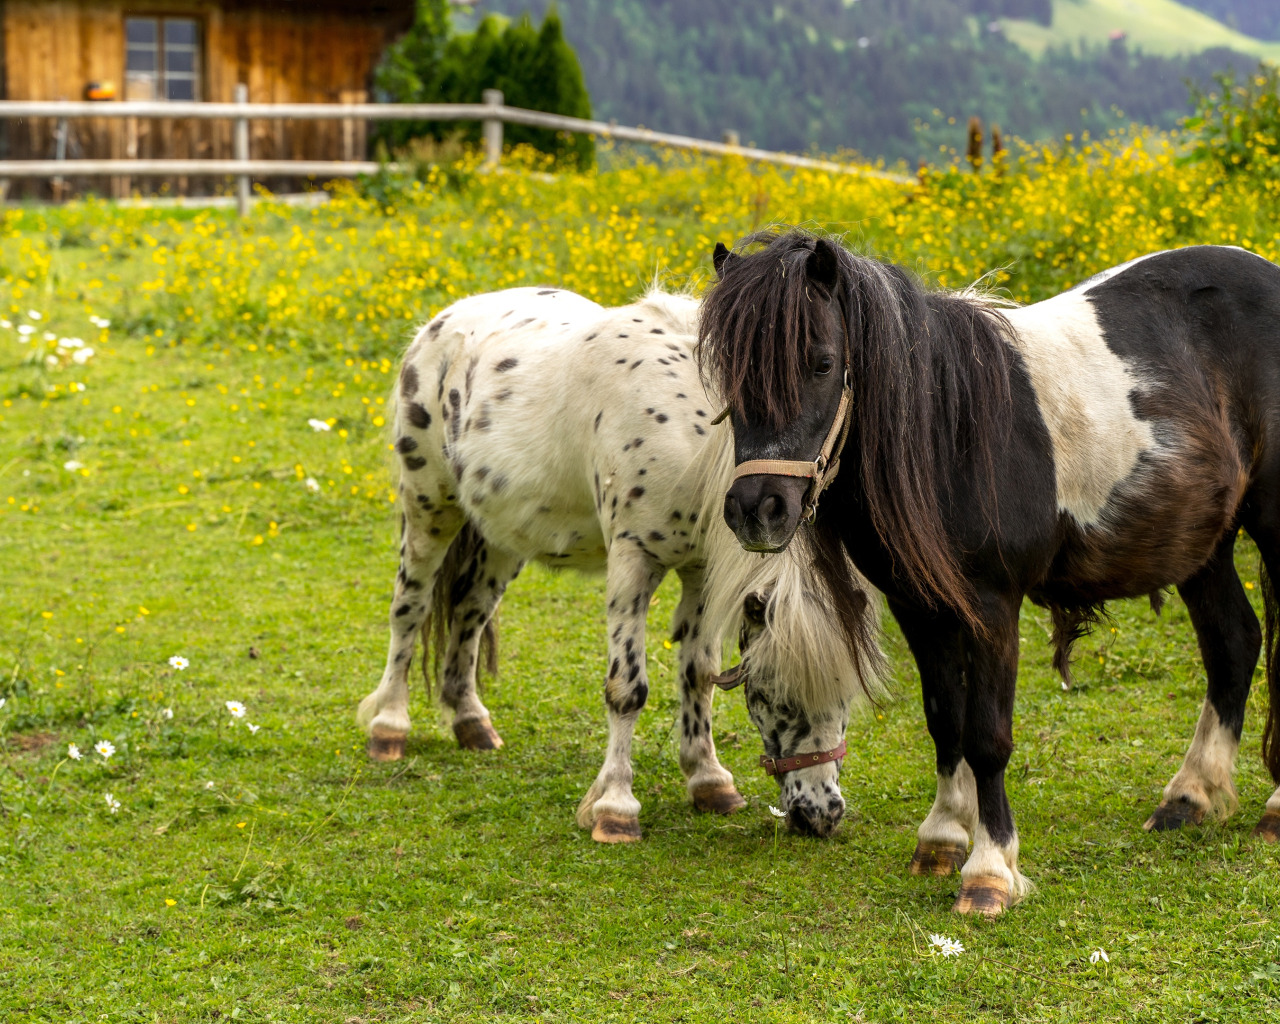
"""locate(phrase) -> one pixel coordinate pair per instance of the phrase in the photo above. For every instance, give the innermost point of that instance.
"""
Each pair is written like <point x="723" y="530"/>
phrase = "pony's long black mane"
<point x="930" y="373"/>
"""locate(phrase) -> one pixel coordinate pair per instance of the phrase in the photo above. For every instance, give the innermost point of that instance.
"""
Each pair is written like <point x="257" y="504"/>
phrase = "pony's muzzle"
<point x="813" y="811"/>
<point x="764" y="511"/>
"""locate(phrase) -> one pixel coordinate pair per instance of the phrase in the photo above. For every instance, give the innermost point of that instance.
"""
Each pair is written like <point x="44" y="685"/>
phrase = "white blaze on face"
<point x="1083" y="391"/>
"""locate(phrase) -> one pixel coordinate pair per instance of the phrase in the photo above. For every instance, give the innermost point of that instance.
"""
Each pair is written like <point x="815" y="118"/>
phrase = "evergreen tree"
<point x="535" y="68"/>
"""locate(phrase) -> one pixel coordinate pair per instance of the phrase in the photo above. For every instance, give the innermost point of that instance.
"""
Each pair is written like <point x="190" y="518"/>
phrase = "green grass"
<point x="1156" y="26"/>
<point x="310" y="885"/>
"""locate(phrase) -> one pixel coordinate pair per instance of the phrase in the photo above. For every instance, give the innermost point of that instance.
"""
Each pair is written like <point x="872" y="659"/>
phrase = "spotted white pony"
<point x="534" y="424"/>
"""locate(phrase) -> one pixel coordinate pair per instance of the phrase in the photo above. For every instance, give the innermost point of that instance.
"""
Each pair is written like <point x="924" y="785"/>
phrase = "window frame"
<point x="161" y="75"/>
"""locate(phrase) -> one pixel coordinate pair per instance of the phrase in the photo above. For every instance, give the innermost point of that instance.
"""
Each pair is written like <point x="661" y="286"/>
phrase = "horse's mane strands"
<point x="815" y="652"/>
<point x="929" y="371"/>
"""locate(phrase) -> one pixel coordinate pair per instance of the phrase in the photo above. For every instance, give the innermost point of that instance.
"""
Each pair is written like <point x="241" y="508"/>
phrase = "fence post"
<point x="730" y="138"/>
<point x="59" y="154"/>
<point x="242" y="152"/>
<point x="492" y="130"/>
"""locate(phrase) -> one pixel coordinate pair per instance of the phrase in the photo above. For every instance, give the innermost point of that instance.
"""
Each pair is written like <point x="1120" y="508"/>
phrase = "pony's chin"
<point x="766" y="545"/>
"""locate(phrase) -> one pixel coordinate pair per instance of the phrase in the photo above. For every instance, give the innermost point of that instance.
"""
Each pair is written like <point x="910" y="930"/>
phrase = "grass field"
<point x="1155" y="26"/>
<point x="169" y="496"/>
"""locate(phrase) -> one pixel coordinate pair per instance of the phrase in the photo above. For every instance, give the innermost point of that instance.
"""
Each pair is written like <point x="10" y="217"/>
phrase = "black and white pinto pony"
<point x="534" y="424"/>
<point x="1105" y="443"/>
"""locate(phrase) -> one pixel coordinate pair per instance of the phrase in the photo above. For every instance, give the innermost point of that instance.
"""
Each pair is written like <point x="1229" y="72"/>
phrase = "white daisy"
<point x="1099" y="954"/>
<point x="252" y="728"/>
<point x="209" y="784"/>
<point x="71" y="465"/>
<point x="82" y="356"/>
<point x="73" y="752"/>
<point x="106" y="748"/>
<point x="315" y="424"/>
<point x="312" y="484"/>
<point x="178" y="662"/>
<point x="777" y="813"/>
<point x="33" y="315"/>
<point x="166" y="713"/>
<point x="236" y="708"/>
<point x="112" y="803"/>
<point x="946" y="946"/>
<point x="26" y="330"/>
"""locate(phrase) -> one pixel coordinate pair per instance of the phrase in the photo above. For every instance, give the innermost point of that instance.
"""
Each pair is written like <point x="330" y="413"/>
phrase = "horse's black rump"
<point x="1108" y="442"/>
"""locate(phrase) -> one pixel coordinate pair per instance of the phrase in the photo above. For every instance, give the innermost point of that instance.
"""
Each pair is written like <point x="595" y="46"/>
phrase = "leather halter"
<point x="822" y="470"/>
<point x="782" y="765"/>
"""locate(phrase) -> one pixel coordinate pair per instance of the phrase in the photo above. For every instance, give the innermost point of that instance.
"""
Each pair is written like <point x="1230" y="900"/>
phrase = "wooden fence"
<point x="493" y="114"/>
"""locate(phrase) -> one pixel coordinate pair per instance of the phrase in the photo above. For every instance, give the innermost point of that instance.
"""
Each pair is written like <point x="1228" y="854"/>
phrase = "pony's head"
<point x="774" y="342"/>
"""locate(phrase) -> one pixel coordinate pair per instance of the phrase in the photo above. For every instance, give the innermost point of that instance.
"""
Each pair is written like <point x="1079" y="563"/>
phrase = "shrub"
<point x="1239" y="126"/>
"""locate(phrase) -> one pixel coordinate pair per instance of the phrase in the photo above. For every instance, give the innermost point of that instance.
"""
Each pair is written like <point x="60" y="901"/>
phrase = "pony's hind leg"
<point x="609" y="808"/>
<point x="384" y="714"/>
<point x="710" y="783"/>
<point x="1229" y="637"/>
<point x="475" y="595"/>
<point x="1267" y="536"/>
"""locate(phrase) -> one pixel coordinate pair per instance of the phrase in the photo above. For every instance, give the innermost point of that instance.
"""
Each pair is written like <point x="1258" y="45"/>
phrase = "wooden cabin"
<point x="285" y="51"/>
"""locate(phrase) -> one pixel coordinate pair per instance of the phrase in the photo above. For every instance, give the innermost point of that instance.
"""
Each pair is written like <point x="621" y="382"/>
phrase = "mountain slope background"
<point x="895" y="79"/>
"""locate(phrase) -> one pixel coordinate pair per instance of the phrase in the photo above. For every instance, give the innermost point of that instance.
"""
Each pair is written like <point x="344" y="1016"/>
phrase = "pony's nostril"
<point x="732" y="513"/>
<point x="772" y="509"/>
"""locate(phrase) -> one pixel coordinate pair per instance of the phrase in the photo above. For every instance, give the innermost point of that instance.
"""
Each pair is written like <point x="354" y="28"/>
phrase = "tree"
<point x="536" y="69"/>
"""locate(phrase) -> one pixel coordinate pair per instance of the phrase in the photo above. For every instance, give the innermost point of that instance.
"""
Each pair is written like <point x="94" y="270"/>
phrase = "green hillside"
<point x="1157" y="26"/>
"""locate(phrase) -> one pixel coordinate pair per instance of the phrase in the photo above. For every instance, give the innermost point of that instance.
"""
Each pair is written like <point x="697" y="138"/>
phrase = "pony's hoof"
<point x="986" y="896"/>
<point x="938" y="859"/>
<point x="477" y="734"/>
<point x="386" y="747"/>
<point x="1174" y="815"/>
<point x="613" y="828"/>
<point x="721" y="799"/>
<point x="1269" y="827"/>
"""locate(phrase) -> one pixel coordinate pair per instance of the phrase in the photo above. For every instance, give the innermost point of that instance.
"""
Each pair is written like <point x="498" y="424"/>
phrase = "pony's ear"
<point x="720" y="257"/>
<point x="823" y="265"/>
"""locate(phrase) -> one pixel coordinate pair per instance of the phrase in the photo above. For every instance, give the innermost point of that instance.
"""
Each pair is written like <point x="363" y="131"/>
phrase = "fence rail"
<point x="493" y="113"/>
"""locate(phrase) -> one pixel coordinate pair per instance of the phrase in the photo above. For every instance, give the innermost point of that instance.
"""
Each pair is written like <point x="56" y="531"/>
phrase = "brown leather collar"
<point x="782" y="765"/>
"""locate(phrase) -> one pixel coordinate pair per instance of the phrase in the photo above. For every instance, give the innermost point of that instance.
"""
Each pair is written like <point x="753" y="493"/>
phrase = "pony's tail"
<point x="1271" y="622"/>
<point x="457" y="573"/>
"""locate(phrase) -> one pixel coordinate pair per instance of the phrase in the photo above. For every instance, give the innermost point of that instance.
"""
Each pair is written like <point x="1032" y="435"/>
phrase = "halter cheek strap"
<point x="782" y="765"/>
<point x="822" y="470"/>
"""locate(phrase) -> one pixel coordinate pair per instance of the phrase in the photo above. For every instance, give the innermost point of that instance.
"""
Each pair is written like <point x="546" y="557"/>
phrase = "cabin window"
<point x="162" y="58"/>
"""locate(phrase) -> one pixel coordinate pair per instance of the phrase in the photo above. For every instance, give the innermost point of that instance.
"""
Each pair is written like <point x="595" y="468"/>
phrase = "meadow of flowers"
<point x="197" y="527"/>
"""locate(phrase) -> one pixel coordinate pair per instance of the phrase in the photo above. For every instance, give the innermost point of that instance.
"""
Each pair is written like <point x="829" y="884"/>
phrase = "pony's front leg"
<point x="475" y="594"/>
<point x="710" y="783"/>
<point x="384" y="714"/>
<point x="942" y="840"/>
<point x="990" y="879"/>
<point x="610" y="809"/>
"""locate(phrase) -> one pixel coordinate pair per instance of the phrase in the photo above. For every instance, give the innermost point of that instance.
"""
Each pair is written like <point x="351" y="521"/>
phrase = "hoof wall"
<point x="386" y="748"/>
<point x="477" y="734"/>
<point x="938" y="859"/>
<point x="718" y="799"/>
<point x="986" y="896"/>
<point x="613" y="828"/>
<point x="1168" y="817"/>
<point x="1269" y="827"/>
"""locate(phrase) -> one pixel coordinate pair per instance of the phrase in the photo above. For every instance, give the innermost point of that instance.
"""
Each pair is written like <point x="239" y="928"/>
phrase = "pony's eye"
<point x="824" y="366"/>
